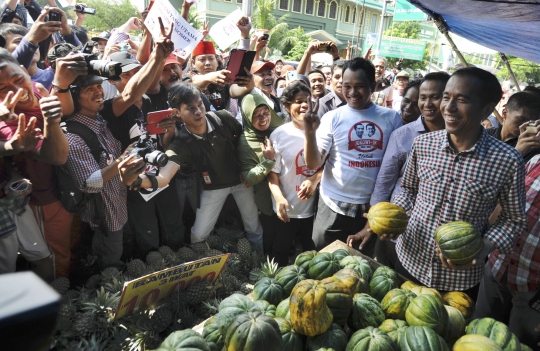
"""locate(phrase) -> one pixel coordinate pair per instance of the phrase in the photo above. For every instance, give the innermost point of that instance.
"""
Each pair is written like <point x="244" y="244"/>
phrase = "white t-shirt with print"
<point x="288" y="143"/>
<point x="355" y="141"/>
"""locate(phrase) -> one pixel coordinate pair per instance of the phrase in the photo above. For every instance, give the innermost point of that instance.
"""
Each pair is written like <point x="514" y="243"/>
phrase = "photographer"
<point x="314" y="47"/>
<point x="208" y="142"/>
<point x="34" y="154"/>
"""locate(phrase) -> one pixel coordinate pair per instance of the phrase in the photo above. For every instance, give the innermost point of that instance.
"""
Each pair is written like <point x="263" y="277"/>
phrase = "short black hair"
<point x="490" y="90"/>
<point x="81" y="33"/>
<point x="532" y="90"/>
<point x="318" y="71"/>
<point x="338" y="64"/>
<point x="182" y="93"/>
<point x="10" y="29"/>
<point x="523" y="100"/>
<point x="442" y="77"/>
<point x="359" y="63"/>
<point x="277" y="81"/>
<point x="287" y="97"/>
<point x="415" y="83"/>
<point x="6" y="56"/>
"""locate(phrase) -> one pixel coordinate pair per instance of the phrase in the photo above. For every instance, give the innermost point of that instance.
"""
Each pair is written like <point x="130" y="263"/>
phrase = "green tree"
<point x="408" y="30"/>
<point x="296" y="51"/>
<point x="524" y="70"/>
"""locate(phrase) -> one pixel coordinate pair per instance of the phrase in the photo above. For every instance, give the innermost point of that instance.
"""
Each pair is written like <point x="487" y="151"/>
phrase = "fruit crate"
<point x="336" y="245"/>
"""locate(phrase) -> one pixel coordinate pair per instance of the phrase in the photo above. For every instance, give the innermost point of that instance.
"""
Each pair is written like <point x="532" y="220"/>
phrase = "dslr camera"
<point x="97" y="67"/>
<point x="145" y="149"/>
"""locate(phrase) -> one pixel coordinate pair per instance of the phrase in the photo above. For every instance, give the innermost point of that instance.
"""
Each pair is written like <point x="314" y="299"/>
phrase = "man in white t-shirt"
<point x="353" y="158"/>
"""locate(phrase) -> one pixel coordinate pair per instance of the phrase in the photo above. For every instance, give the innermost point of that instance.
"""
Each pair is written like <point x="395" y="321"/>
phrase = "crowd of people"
<point x="304" y="151"/>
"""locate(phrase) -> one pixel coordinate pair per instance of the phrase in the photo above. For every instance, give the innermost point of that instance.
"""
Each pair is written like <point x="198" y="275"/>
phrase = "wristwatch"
<point x="58" y="89"/>
<point x="135" y="186"/>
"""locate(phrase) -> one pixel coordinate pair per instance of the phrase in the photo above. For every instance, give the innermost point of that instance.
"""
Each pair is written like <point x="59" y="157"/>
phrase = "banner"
<point x="225" y="32"/>
<point x="411" y="49"/>
<point x="405" y="11"/>
<point x="184" y="36"/>
<point x="153" y="289"/>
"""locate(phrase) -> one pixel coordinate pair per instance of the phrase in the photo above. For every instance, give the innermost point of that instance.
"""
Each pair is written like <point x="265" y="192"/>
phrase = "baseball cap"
<point x="58" y="51"/>
<point x="260" y="65"/>
<point x="403" y="74"/>
<point x="105" y="35"/>
<point x="127" y="62"/>
<point x="171" y="60"/>
<point x="84" y="81"/>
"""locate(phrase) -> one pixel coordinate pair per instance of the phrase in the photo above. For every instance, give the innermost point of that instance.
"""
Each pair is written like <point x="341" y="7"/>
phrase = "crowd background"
<point x="293" y="155"/>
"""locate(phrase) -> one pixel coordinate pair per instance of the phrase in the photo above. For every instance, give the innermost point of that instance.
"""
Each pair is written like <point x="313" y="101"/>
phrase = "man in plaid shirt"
<point x="460" y="173"/>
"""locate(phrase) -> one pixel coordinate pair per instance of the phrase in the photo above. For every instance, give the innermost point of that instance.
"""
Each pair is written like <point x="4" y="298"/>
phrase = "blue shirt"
<point x="388" y="183"/>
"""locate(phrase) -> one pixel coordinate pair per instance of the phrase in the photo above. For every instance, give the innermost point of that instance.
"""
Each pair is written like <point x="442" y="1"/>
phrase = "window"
<point x="374" y="23"/>
<point x="284" y="5"/>
<point x="309" y="7"/>
<point x="333" y="10"/>
<point x="347" y="13"/>
<point x="353" y="15"/>
<point x="321" y="10"/>
<point x="297" y="6"/>
<point x="238" y="1"/>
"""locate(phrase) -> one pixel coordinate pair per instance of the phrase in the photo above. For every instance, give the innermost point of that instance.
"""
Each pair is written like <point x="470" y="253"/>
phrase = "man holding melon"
<point x="456" y="177"/>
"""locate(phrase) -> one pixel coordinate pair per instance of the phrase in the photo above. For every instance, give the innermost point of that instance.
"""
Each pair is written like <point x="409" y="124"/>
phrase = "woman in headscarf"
<point x="256" y="157"/>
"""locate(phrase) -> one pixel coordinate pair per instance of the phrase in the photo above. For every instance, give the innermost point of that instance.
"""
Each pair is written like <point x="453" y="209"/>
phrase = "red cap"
<point x="260" y="65"/>
<point x="171" y="60"/>
<point x="204" y="48"/>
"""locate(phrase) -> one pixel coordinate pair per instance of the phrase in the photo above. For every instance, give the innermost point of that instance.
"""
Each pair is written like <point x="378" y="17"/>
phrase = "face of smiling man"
<point x="13" y="78"/>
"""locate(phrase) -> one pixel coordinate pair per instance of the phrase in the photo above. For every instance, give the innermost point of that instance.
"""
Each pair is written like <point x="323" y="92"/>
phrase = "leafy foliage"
<point x="525" y="71"/>
<point x="409" y="30"/>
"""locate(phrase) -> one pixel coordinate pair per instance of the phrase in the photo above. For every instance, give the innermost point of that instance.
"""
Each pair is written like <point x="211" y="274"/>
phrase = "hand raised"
<point x="311" y="119"/>
<point x="164" y="46"/>
<point x="26" y="137"/>
<point x="7" y="107"/>
<point x="51" y="108"/>
<point x="267" y="149"/>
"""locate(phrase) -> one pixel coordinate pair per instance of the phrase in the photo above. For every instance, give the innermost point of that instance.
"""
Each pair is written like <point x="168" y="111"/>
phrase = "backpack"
<point x="71" y="197"/>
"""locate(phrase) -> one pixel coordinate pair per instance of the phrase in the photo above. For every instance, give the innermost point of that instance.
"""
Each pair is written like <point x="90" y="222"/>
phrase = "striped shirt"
<point x="523" y="265"/>
<point x="86" y="172"/>
<point x="442" y="185"/>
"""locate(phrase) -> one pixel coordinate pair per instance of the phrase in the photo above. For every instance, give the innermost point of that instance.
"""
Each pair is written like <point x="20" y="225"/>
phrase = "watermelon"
<point x="395" y="303"/>
<point x="371" y="339"/>
<point x="334" y="337"/>
<point x="428" y="311"/>
<point x="459" y="242"/>
<point x="366" y="311"/>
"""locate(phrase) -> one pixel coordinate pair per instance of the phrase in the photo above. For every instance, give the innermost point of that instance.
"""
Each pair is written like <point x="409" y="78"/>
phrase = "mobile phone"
<point x="265" y="36"/>
<point x="323" y="47"/>
<point x="292" y="75"/>
<point x="531" y="128"/>
<point x="54" y="16"/>
<point x="238" y="59"/>
<point x="153" y="118"/>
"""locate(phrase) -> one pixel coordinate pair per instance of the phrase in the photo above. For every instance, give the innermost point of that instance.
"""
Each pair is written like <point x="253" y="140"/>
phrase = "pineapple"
<point x="83" y="324"/>
<point x="230" y="235"/>
<point x="65" y="315"/>
<point x="165" y="251"/>
<point x="61" y="285"/>
<point x="213" y="252"/>
<point x="162" y="318"/>
<point x="109" y="273"/>
<point x="244" y="247"/>
<point x="72" y="295"/>
<point x="214" y="241"/>
<point x="199" y="292"/>
<point x="94" y="282"/>
<point x="269" y="269"/>
<point x="154" y="258"/>
<point x="246" y="288"/>
<point x="199" y="248"/>
<point x="103" y="305"/>
<point x="136" y="268"/>
<point x="186" y="254"/>
<point x="115" y="285"/>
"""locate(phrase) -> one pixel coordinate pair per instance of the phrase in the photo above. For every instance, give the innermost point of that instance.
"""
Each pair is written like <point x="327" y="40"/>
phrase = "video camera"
<point x="84" y="9"/>
<point x="103" y="68"/>
<point x="145" y="149"/>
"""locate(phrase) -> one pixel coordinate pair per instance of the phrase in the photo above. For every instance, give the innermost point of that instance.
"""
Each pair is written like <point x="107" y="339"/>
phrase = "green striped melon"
<point x="459" y="242"/>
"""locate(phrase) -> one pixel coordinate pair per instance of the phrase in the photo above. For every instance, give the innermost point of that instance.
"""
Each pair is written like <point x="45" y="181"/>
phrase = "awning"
<point x="322" y="35"/>
<point x="509" y="26"/>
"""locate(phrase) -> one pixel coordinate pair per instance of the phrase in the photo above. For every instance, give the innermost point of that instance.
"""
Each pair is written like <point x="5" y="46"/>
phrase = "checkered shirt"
<point x="82" y="167"/>
<point x="442" y="185"/>
<point x="523" y="265"/>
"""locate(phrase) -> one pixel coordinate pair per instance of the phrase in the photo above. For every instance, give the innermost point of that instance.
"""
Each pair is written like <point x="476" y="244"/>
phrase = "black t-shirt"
<point x="160" y="101"/>
<point x="128" y="127"/>
<point x="219" y="96"/>
<point x="496" y="133"/>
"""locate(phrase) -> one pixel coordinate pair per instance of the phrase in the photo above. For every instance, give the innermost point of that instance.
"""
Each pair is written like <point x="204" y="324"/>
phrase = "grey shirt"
<point x="388" y="183"/>
<point x="329" y="102"/>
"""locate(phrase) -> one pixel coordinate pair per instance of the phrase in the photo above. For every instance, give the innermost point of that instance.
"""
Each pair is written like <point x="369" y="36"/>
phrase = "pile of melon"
<point x="335" y="301"/>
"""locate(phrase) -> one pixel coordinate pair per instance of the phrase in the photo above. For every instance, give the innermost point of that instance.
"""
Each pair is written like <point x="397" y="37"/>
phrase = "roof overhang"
<point x="323" y="35"/>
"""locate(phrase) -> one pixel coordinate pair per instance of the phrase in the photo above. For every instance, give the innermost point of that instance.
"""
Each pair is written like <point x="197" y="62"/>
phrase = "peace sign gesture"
<point x="311" y="119"/>
<point x="7" y="106"/>
<point x="164" y="46"/>
<point x="267" y="149"/>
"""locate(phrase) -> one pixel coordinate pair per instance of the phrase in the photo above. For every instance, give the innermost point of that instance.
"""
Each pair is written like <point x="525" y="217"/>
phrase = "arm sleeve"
<point x="325" y="136"/>
<point x="243" y="44"/>
<point x="24" y="52"/>
<point x="258" y="173"/>
<point x="34" y="9"/>
<point x="409" y="183"/>
<point x="389" y="172"/>
<point x="178" y="152"/>
<point x="82" y="166"/>
<point x="512" y="220"/>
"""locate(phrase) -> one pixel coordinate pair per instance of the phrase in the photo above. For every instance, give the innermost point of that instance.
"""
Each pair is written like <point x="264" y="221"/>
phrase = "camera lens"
<point x="106" y="69"/>
<point x="156" y="158"/>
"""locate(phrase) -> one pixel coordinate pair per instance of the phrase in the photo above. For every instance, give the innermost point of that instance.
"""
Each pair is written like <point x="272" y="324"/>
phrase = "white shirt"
<point x="355" y="142"/>
<point x="288" y="143"/>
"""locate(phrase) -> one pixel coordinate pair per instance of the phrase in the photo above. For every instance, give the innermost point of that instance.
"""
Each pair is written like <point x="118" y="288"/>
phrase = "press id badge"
<point x="206" y="177"/>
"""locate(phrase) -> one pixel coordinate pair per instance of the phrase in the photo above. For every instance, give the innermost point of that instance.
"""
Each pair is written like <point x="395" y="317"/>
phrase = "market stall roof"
<point x="509" y="26"/>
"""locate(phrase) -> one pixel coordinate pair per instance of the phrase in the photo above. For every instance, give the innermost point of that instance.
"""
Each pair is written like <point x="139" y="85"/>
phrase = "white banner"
<point x="225" y="32"/>
<point x="184" y="36"/>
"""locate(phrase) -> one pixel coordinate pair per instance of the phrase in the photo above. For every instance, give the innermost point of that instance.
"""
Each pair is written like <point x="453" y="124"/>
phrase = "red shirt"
<point x="41" y="174"/>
